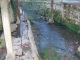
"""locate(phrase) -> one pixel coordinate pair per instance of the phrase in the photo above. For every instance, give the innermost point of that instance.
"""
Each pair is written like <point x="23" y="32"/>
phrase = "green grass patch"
<point x="31" y="18"/>
<point x="50" y="54"/>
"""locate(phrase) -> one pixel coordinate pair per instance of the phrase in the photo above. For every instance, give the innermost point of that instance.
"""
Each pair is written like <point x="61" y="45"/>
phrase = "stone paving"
<point x="22" y="45"/>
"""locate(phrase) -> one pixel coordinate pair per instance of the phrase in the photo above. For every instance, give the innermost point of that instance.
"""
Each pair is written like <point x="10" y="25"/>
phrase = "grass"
<point x="50" y="55"/>
<point x="30" y="18"/>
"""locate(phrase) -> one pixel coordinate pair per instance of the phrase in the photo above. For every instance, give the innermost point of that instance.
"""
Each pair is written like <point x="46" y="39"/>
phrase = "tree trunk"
<point x="51" y="12"/>
<point x="7" y="31"/>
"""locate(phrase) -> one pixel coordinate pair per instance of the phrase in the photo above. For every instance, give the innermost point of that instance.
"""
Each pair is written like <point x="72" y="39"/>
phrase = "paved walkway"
<point x="23" y="46"/>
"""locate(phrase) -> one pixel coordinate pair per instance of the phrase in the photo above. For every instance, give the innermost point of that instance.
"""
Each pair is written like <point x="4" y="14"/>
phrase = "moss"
<point x="58" y="18"/>
<point x="78" y="9"/>
<point x="2" y="43"/>
<point x="44" y="12"/>
<point x="67" y="22"/>
<point x="13" y="5"/>
<point x="47" y="13"/>
<point x="72" y="21"/>
<point x="1" y="26"/>
<point x="74" y="7"/>
<point x="78" y="53"/>
<point x="31" y="18"/>
<point x="50" y="55"/>
<point x="72" y="26"/>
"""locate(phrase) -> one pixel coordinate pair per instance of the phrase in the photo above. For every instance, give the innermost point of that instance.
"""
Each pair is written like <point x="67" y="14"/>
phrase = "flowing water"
<point x="53" y="40"/>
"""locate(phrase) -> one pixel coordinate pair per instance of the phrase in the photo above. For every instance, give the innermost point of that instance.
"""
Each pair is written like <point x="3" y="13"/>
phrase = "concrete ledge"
<point x="33" y="45"/>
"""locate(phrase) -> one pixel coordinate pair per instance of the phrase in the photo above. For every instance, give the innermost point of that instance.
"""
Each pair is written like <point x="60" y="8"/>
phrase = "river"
<point x="54" y="41"/>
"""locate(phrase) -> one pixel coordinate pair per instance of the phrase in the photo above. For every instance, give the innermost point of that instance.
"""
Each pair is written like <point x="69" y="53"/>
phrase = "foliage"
<point x="45" y="13"/>
<point x="72" y="26"/>
<point x="77" y="52"/>
<point x="67" y="22"/>
<point x="35" y="5"/>
<point x="13" y="4"/>
<point x="50" y="55"/>
<point x="30" y="18"/>
<point x="58" y="18"/>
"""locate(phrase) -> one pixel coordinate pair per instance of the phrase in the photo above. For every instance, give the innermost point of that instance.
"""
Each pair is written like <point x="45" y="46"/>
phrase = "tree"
<point x="7" y="31"/>
<point x="51" y="12"/>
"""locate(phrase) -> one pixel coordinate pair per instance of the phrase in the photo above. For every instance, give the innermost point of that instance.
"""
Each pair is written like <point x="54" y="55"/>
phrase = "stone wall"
<point x="69" y="15"/>
<point x="72" y="12"/>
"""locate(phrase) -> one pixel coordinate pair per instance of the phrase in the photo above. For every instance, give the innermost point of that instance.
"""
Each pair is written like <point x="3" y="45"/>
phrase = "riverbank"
<point x="53" y="41"/>
<point x="24" y="46"/>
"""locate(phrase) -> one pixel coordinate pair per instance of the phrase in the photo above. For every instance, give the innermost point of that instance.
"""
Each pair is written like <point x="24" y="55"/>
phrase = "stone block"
<point x="13" y="27"/>
<point x="26" y="58"/>
<point x="17" y="41"/>
<point x="28" y="53"/>
<point x="25" y="41"/>
<point x="25" y="32"/>
<point x="24" y="37"/>
<point x="17" y="58"/>
<point x="18" y="20"/>
<point x="18" y="52"/>
<point x="79" y="48"/>
<point x="26" y="50"/>
<point x="16" y="47"/>
<point x="23" y="58"/>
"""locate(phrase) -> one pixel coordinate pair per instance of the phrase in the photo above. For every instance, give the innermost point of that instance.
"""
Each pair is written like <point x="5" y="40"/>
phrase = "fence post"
<point x="7" y="31"/>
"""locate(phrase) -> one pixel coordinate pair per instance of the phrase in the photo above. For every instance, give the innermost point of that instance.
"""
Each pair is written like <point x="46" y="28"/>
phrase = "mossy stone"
<point x="1" y="26"/>
<point x="78" y="53"/>
<point x="2" y="43"/>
